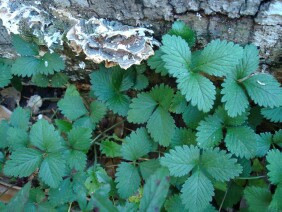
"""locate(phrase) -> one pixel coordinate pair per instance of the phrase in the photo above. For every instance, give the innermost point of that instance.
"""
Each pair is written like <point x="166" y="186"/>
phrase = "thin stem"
<point x="70" y="207"/>
<point x="7" y="189"/>
<point x="221" y="204"/>
<point x="250" y="178"/>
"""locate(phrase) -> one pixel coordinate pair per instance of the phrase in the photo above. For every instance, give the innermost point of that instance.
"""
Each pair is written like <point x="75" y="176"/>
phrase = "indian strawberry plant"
<point x="189" y="130"/>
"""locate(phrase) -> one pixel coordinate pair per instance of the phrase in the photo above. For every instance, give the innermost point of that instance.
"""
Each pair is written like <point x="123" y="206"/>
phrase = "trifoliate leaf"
<point x="179" y="28"/>
<point x="23" y="47"/>
<point x="26" y="66"/>
<point x="183" y="136"/>
<point x="147" y="168"/>
<point x="264" y="141"/>
<point x="155" y="191"/>
<point x="127" y="179"/>
<point x="197" y="192"/>
<point x="209" y="132"/>
<point x="197" y="89"/>
<point x="161" y="126"/>
<point x="44" y="136"/>
<point x="59" y="80"/>
<point x="110" y="149"/>
<point x="51" y="63"/>
<point x="192" y="116"/>
<point x="258" y="198"/>
<point x="277" y="137"/>
<point x="136" y="145"/>
<point x="274" y="167"/>
<point x="273" y="114"/>
<point x="276" y="203"/>
<point x="72" y="107"/>
<point x="97" y="111"/>
<point x="178" y="104"/>
<point x="181" y="160"/>
<point x="52" y="169"/>
<point x="4" y="126"/>
<point x="40" y="80"/>
<point x="80" y="138"/>
<point x="220" y="165"/>
<point x="5" y="75"/>
<point x="174" y="204"/>
<point x="241" y="141"/>
<point x="218" y="58"/>
<point x="20" y="118"/>
<point x="236" y="101"/>
<point x="156" y="62"/>
<point x="76" y="159"/>
<point x="177" y="55"/>
<point x="17" y="138"/>
<point x="23" y="162"/>
<point x="264" y="90"/>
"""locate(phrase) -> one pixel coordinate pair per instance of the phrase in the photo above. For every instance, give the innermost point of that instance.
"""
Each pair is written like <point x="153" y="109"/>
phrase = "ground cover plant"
<point x="188" y="130"/>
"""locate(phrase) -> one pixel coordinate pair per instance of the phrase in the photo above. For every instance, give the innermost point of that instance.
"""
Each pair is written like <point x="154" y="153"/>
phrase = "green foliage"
<point x="5" y="75"/>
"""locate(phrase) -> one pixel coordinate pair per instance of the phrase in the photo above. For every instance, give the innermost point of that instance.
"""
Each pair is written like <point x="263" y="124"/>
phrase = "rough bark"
<point x="241" y="21"/>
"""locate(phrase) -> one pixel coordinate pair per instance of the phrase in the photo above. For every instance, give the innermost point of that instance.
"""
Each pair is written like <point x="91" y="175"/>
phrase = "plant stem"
<point x="250" y="178"/>
<point x="221" y="204"/>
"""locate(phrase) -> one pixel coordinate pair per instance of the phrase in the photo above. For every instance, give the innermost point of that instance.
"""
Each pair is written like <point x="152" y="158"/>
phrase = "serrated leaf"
<point x="102" y="203"/>
<point x="20" y="118"/>
<point x="80" y="138"/>
<point x="163" y="95"/>
<point x="63" y="125"/>
<point x="178" y="104"/>
<point x="85" y="122"/>
<point x="197" y="192"/>
<point x="110" y="149"/>
<point x="174" y="204"/>
<point x="52" y="169"/>
<point x="264" y="90"/>
<point x="180" y="29"/>
<point x="277" y="137"/>
<point x="23" y="47"/>
<point x="177" y="55"/>
<point x="141" y="82"/>
<point x="23" y="162"/>
<point x="97" y="111"/>
<point x="51" y="63"/>
<point x="183" y="136"/>
<point x="155" y="191"/>
<point x="274" y="167"/>
<point x="44" y="136"/>
<point x="197" y="89"/>
<point x="192" y="116"/>
<point x="276" y="203"/>
<point x="210" y="132"/>
<point x="127" y="179"/>
<point x="273" y="114"/>
<point x="71" y="91"/>
<point x="181" y="160"/>
<point x="40" y="80"/>
<point x="156" y="62"/>
<point x="219" y="57"/>
<point x="72" y="107"/>
<point x="136" y="145"/>
<point x="25" y="66"/>
<point x="234" y="97"/>
<point x="161" y="126"/>
<point x="5" y="75"/>
<point x="17" y="138"/>
<point x="4" y="126"/>
<point x="76" y="159"/>
<point x="264" y="141"/>
<point x="220" y="165"/>
<point x="59" y="80"/>
<point x="147" y="168"/>
<point x="241" y="141"/>
<point x="258" y="198"/>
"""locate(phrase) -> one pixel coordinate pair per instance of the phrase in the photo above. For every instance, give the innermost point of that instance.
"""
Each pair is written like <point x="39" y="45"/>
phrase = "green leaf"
<point x="255" y="118"/>
<point x="183" y="136"/>
<point x="23" y="47"/>
<point x="26" y="66"/>
<point x="59" y="80"/>
<point x="273" y="114"/>
<point x="5" y="75"/>
<point x="192" y="116"/>
<point x="181" y="160"/>
<point x="241" y="141"/>
<point x="136" y="145"/>
<point x="51" y="63"/>
<point x="40" y="80"/>
<point x="4" y="126"/>
<point x="155" y="191"/>
<point x="147" y="168"/>
<point x="180" y="29"/>
<point x="127" y="179"/>
<point x="71" y="91"/>
<point x="110" y="149"/>
<point x="276" y="203"/>
<point x="20" y="118"/>
<point x="264" y="90"/>
<point x="156" y="62"/>
<point x="72" y="107"/>
<point x="218" y="58"/>
<point x="98" y="111"/>
<point x="220" y="165"/>
<point x="174" y="204"/>
<point x="257" y="198"/>
<point x="52" y="169"/>
<point x="178" y="104"/>
<point x="63" y="125"/>
<point x="274" y="167"/>
<point x="17" y="138"/>
<point x="23" y="162"/>
<point x="197" y="89"/>
<point x="264" y="141"/>
<point x="102" y="203"/>
<point x="44" y="136"/>
<point x="277" y="137"/>
<point x="76" y="159"/>
<point x="210" y="132"/>
<point x="80" y="138"/>
<point x="85" y="122"/>
<point x="197" y="192"/>
<point x="177" y="55"/>
<point x="236" y="101"/>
